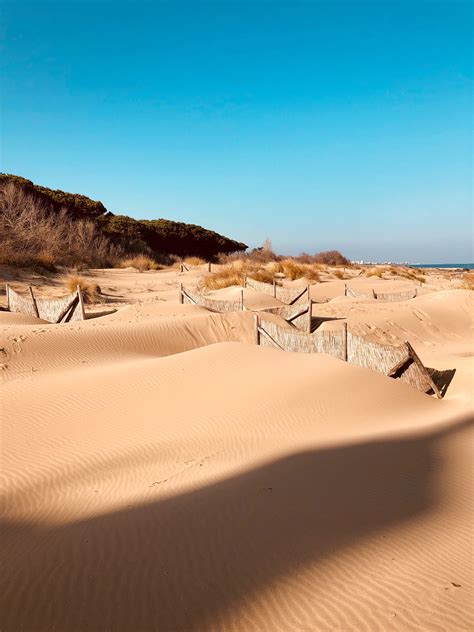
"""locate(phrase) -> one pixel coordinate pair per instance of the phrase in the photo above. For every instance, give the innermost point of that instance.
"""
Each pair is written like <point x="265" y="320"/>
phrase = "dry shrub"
<point x="263" y="275"/>
<point x="294" y="270"/>
<point x="331" y="258"/>
<point x="225" y="277"/>
<point x="140" y="263"/>
<point x="90" y="291"/>
<point x="413" y="275"/>
<point x="468" y="281"/>
<point x="376" y="271"/>
<point x="33" y="234"/>
<point x="194" y="261"/>
<point x="339" y="274"/>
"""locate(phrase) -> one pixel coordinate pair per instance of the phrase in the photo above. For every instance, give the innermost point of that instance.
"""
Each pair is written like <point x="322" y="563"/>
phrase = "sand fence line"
<point x="287" y="295"/>
<point x="396" y="361"/>
<point x="388" y="297"/>
<point x="56" y="310"/>
<point x="298" y="315"/>
<point x="186" y="267"/>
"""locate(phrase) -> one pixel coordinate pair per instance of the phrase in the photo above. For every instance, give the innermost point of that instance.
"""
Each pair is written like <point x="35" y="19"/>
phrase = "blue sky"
<point x="320" y="125"/>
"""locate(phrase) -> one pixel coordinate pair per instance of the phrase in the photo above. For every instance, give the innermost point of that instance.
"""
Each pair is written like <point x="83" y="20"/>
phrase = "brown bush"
<point x="468" y="281"/>
<point x="195" y="261"/>
<point x="225" y="277"/>
<point x="91" y="292"/>
<point x="332" y="258"/>
<point x="32" y="235"/>
<point x="140" y="263"/>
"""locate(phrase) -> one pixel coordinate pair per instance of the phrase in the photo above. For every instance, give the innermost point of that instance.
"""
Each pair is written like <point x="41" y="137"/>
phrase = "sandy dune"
<point x="160" y="472"/>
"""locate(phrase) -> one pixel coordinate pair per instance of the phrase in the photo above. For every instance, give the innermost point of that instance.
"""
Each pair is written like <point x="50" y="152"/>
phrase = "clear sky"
<point x="320" y="125"/>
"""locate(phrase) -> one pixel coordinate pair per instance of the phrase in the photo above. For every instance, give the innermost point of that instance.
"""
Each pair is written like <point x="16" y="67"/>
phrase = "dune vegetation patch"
<point x="91" y="292"/>
<point x="140" y="263"/>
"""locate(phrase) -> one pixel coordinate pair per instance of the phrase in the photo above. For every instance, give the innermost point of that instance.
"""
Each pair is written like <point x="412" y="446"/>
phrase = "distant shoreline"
<point x="469" y="266"/>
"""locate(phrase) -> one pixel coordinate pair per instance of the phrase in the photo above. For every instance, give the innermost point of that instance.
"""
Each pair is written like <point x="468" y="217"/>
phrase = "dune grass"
<point x="140" y="263"/>
<point x="194" y="261"/>
<point x="91" y="292"/>
<point x="234" y="273"/>
<point x="468" y="281"/>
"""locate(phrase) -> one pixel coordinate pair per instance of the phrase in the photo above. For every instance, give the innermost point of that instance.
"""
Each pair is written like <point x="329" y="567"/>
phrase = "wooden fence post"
<point x="209" y="266"/>
<point x="274" y="288"/>
<point x="81" y="303"/>
<point x="181" y="293"/>
<point x="344" y="340"/>
<point x="256" y="331"/>
<point x="34" y="301"/>
<point x="374" y="293"/>
<point x="310" y="315"/>
<point x="345" y="289"/>
<point x="7" y="292"/>
<point x="242" y="300"/>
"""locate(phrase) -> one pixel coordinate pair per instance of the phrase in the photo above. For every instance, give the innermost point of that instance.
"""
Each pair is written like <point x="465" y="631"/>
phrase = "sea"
<point x="464" y="266"/>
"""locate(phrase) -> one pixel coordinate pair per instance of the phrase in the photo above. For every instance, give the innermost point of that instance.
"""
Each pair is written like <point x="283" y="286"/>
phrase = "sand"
<point x="160" y="472"/>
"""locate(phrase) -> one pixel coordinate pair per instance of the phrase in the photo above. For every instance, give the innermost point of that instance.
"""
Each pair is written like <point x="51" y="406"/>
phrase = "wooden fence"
<point x="388" y="297"/>
<point x="396" y="361"/>
<point x="184" y="267"/>
<point x="214" y="305"/>
<point x="288" y="295"/>
<point x="297" y="315"/>
<point x="55" y="310"/>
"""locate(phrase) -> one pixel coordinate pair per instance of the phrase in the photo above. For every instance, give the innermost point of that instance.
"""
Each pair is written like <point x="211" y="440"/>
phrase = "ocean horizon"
<point x="469" y="266"/>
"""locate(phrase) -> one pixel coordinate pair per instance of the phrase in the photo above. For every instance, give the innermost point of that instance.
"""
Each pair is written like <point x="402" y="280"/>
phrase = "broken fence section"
<point x="396" y="361"/>
<point x="299" y="315"/>
<point x="288" y="295"/>
<point x="56" y="310"/>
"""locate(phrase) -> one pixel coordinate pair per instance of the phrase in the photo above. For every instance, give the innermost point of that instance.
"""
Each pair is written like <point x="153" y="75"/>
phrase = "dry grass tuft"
<point x="468" y="281"/>
<point x="225" y="277"/>
<point x="263" y="275"/>
<point x="376" y="271"/>
<point x="90" y="291"/>
<point x="339" y="274"/>
<point x="294" y="270"/>
<point x="194" y="261"/>
<point x="140" y="263"/>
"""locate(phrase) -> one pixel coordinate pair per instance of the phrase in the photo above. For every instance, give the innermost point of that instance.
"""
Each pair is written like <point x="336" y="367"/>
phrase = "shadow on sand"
<point x="179" y="562"/>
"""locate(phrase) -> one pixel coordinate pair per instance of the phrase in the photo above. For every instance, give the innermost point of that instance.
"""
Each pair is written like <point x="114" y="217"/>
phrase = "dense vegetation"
<point x="157" y="238"/>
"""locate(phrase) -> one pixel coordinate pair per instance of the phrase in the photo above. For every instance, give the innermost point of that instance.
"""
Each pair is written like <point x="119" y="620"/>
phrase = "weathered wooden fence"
<point x="288" y="295"/>
<point x="185" y="267"/>
<point x="396" y="361"/>
<point x="55" y="310"/>
<point x="299" y="315"/>
<point x="214" y="305"/>
<point x="388" y="297"/>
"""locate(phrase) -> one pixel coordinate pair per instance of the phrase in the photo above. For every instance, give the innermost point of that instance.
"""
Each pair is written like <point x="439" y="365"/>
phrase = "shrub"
<point x="140" y="263"/>
<point x="376" y="271"/>
<point x="194" y="261"/>
<point x="294" y="270"/>
<point x="225" y="277"/>
<point x="32" y="235"/>
<point x="332" y="258"/>
<point x="90" y="291"/>
<point x="468" y="281"/>
<point x="339" y="274"/>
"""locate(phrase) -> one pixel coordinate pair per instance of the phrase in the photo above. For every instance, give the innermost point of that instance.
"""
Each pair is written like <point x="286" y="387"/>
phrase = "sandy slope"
<point x="159" y="475"/>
